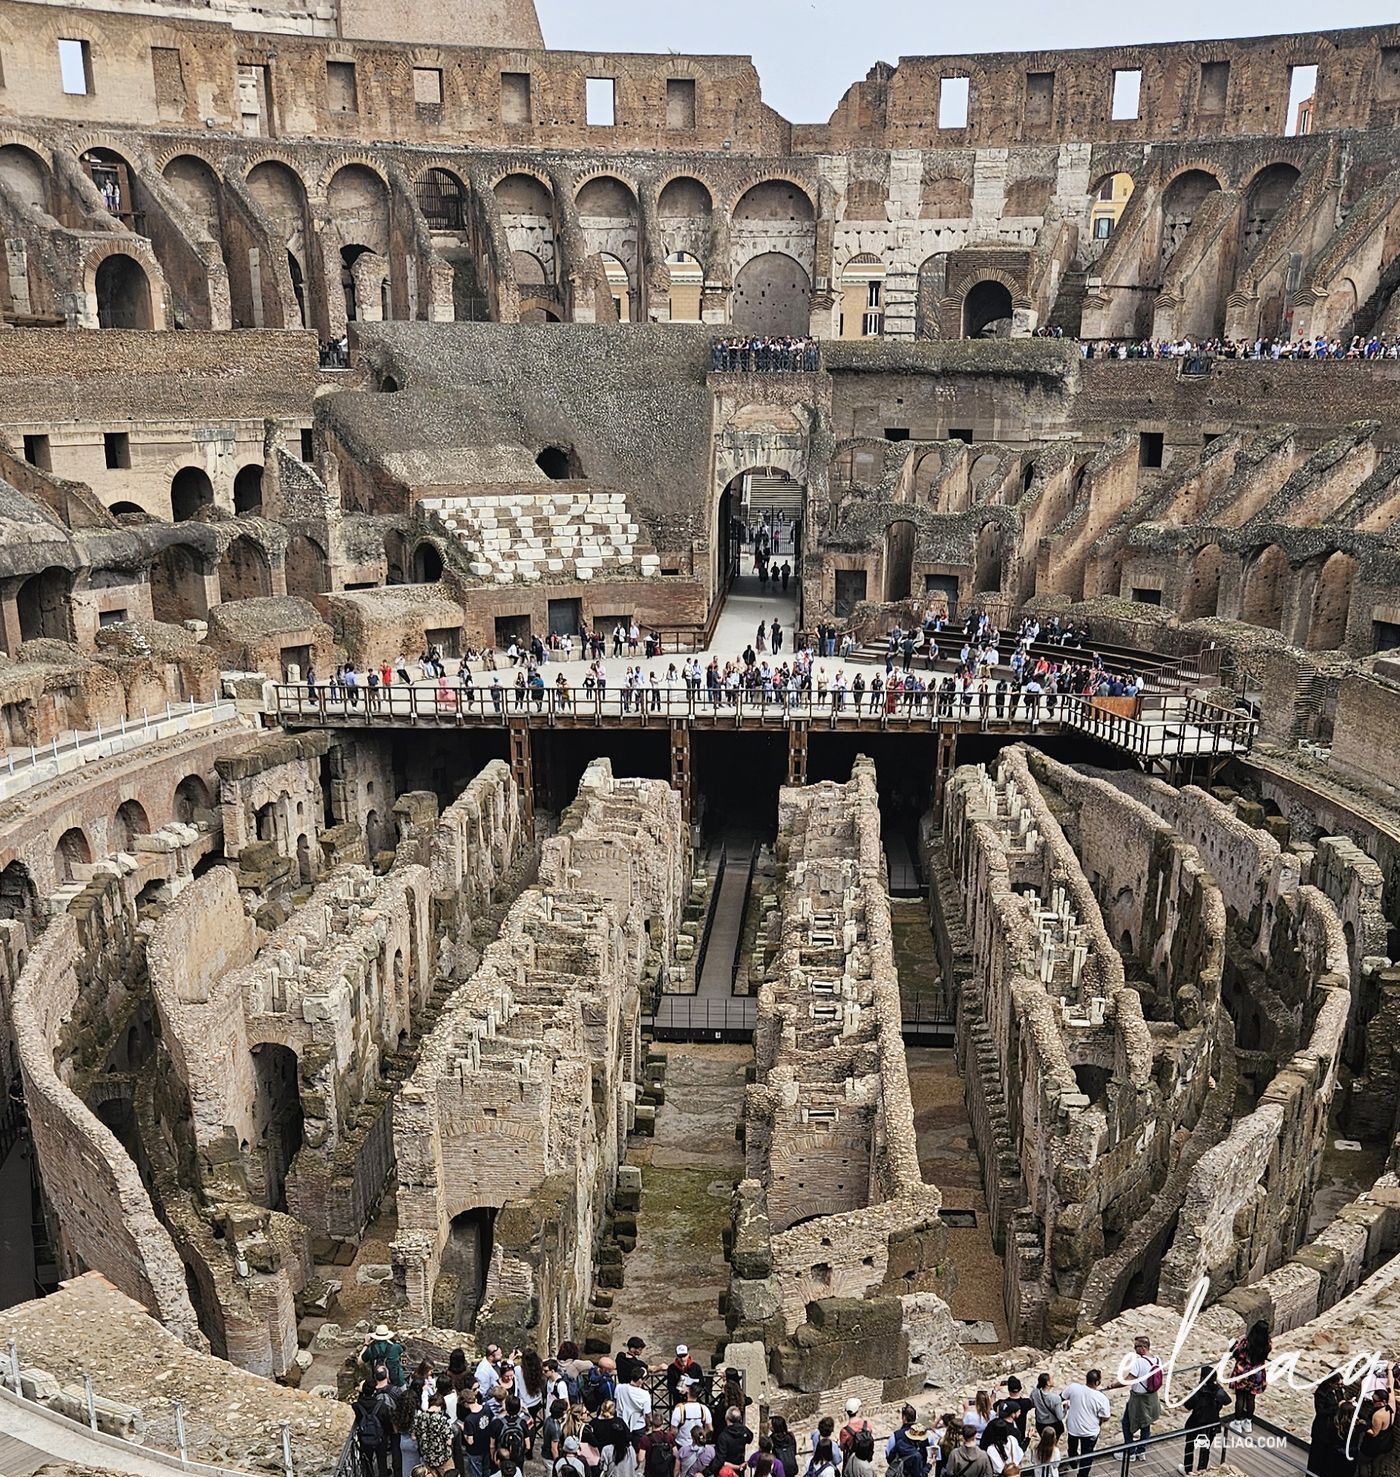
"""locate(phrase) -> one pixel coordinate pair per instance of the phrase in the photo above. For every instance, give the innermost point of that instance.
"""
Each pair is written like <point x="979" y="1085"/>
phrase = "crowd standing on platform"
<point x="624" y="1416"/>
<point x="1358" y="346"/>
<point x="758" y="354"/>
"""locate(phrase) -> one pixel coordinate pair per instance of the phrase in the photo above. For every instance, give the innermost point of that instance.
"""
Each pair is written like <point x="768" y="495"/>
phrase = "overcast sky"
<point x="809" y="51"/>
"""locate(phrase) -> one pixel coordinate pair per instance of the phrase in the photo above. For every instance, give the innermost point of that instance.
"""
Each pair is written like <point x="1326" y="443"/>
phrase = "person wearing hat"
<point x="384" y="1349"/>
<point x="855" y="1423"/>
<point x="682" y="1367"/>
<point x="909" y="1447"/>
<point x="630" y="1362"/>
<point x="570" y="1463"/>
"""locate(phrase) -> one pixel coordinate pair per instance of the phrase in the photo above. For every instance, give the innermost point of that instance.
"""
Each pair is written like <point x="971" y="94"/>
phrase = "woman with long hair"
<point x="1203" y="1408"/>
<point x="1047" y="1452"/>
<point x="1249" y="1377"/>
<point x="531" y="1383"/>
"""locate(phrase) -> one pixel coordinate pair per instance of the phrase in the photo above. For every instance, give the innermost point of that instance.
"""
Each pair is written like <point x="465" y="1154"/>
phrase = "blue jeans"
<point x="1134" y="1436"/>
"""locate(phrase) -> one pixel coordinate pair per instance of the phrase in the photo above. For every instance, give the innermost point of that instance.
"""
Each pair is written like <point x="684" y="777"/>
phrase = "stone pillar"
<point x="522" y="768"/>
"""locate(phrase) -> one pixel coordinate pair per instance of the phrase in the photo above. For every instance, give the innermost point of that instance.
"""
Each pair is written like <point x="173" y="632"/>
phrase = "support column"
<point x="797" y="753"/>
<point x="682" y="776"/>
<point x="943" y="766"/>
<point x="522" y="768"/>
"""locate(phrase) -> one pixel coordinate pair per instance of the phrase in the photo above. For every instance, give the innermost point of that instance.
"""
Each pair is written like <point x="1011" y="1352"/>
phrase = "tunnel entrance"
<point x="562" y="755"/>
<point x="461" y="1284"/>
<point x="737" y="777"/>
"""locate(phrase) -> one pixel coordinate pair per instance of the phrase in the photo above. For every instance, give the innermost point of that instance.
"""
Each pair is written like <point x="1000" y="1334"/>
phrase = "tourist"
<point x="825" y="1431"/>
<point x="784" y="1443"/>
<point x="633" y="1401"/>
<point x="569" y="1462"/>
<point x="1047" y="1453"/>
<point x="967" y="1460"/>
<point x="687" y="1412"/>
<point x="1142" y="1378"/>
<point x="908" y="1446"/>
<point x="375" y="1430"/>
<point x="488" y="1370"/>
<point x="1001" y="1445"/>
<point x="656" y="1451"/>
<point x="825" y="1462"/>
<point x="1046" y="1400"/>
<point x="609" y="1436"/>
<point x="764" y="1462"/>
<point x="699" y="1456"/>
<point x="433" y="1435"/>
<point x="1249" y="1376"/>
<point x="1203" y="1407"/>
<point x="384" y="1349"/>
<point x="1326" y="1445"/>
<point x="855" y="1422"/>
<point x="1086" y="1412"/>
<point x="978" y="1412"/>
<point x="732" y="1439"/>
<point x="471" y="1431"/>
<point x="508" y="1436"/>
<point x="859" y="1461"/>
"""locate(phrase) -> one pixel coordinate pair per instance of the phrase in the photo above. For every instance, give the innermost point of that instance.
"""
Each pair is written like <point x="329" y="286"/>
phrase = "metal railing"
<point x="689" y="1018"/>
<point x="160" y="1429"/>
<point x="1268" y="1446"/>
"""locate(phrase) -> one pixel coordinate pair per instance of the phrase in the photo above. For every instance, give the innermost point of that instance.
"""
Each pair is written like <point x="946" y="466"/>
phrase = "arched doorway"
<point x="1331" y="603"/>
<point x="427" y="564"/>
<point x="1265" y="586"/>
<point x="190" y="491"/>
<point x="987" y="572"/>
<point x="559" y="463"/>
<point x="307" y="568"/>
<point x="772" y="297"/>
<point x="298" y="288"/>
<point x="1202" y="594"/>
<point x="466" y="1258"/>
<point x="71" y="853"/>
<point x="244" y="573"/>
<point x="45" y="606"/>
<point x="123" y="293"/>
<point x="687" y="281"/>
<point x="987" y="311"/>
<point x="192" y="800"/>
<point x="247" y="489"/>
<point x="279" y="1115"/>
<point x="130" y="823"/>
<point x="900" y="538"/>
<point x="177" y="585"/>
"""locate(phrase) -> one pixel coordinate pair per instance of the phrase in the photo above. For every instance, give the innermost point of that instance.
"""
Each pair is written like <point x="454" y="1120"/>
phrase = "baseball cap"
<point x="682" y="1349"/>
<point x="852" y="1405"/>
<point x="571" y="1443"/>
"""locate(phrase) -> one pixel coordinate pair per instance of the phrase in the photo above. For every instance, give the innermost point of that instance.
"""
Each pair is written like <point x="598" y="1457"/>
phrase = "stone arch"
<point x="772" y="296"/>
<point x="1265" y="588"/>
<point x="932" y="288"/>
<point x="685" y="209"/>
<point x="441" y="194"/>
<point x="1181" y="199"/>
<point x="986" y="310"/>
<point x="620" y="286"/>
<point x="191" y="492"/>
<point x="987" y="568"/>
<point x="774" y="200"/>
<point x="427" y="563"/>
<point x="277" y="1075"/>
<point x="863" y="296"/>
<point x="522" y="192"/>
<point x="945" y="197"/>
<point x="1201" y="596"/>
<point x="901" y="537"/>
<point x="244" y="571"/>
<point x="926" y="472"/>
<point x="129" y="823"/>
<point x="191" y="799"/>
<point x="45" y="605"/>
<point x="72" y="852"/>
<point x="27" y="176"/>
<point x="559" y="463"/>
<point x="122" y="292"/>
<point x="604" y="197"/>
<point x="197" y="186"/>
<point x="247" y="489"/>
<point x="683" y="197"/>
<point x="1331" y="603"/>
<point x="19" y="897"/>
<point x="1264" y="198"/>
<point x="308" y="570"/>
<point x="685" y="282"/>
<point x="178" y="591"/>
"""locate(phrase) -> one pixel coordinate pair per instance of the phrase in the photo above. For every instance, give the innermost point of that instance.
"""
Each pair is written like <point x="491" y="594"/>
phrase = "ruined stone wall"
<point x="281" y="772"/>
<point x="524" y="1089"/>
<point x="85" y="956"/>
<point x="1248" y="1201"/>
<point x="837" y="1241"/>
<point x="1082" y="1144"/>
<point x="478" y="839"/>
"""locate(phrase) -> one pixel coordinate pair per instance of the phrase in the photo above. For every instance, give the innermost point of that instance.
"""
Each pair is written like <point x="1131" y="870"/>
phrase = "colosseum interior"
<point x="874" y="1041"/>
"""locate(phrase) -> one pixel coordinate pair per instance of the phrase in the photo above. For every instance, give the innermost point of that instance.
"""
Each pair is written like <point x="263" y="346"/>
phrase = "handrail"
<point x="748" y="885"/>
<point x="715" y="883"/>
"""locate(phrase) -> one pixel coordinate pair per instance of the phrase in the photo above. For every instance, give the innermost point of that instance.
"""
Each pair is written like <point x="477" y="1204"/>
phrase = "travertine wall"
<point x="523" y="1093"/>
<point x="837" y="1241"/>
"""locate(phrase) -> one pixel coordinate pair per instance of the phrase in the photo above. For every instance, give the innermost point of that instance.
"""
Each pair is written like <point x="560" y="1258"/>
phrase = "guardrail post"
<point x="180" y="1430"/>
<point x="12" y="1348"/>
<point x="287" y="1449"/>
<point x="90" y="1400"/>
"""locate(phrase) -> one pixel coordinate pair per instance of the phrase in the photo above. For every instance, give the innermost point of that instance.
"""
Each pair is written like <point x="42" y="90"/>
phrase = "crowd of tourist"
<point x="1322" y="346"/>
<point x="622" y="1416"/>
<point x="334" y="353"/>
<point x="757" y="353"/>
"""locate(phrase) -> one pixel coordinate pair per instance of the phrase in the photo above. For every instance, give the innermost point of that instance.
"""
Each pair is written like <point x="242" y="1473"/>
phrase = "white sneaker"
<point x="1246" y="1427"/>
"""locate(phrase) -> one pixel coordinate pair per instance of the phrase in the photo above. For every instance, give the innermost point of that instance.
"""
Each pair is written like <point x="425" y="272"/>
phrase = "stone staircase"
<point x="527" y="535"/>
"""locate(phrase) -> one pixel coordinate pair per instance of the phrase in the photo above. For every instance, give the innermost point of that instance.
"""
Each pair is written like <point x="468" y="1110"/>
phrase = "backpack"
<point x="597" y="1387"/>
<point x="570" y="1384"/>
<point x="369" y="1429"/>
<point x="661" y="1459"/>
<point x="512" y="1442"/>
<point x="1153" y="1382"/>
<point x="863" y="1445"/>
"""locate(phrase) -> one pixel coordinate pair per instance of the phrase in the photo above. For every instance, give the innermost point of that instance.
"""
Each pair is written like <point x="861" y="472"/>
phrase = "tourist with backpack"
<point x="784" y="1443"/>
<point x="825" y="1459"/>
<point x="860" y="1459"/>
<point x="598" y="1385"/>
<point x="657" y="1449"/>
<point x="1142" y="1377"/>
<point x="569" y="1462"/>
<point x="967" y="1460"/>
<point x="687" y="1414"/>
<point x="375" y="1431"/>
<point x="509" y="1436"/>
<point x="909" y="1457"/>
<point x="855" y="1423"/>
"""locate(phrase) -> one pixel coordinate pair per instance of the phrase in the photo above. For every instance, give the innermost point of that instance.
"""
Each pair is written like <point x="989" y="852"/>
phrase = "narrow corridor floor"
<point x="675" y="1275"/>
